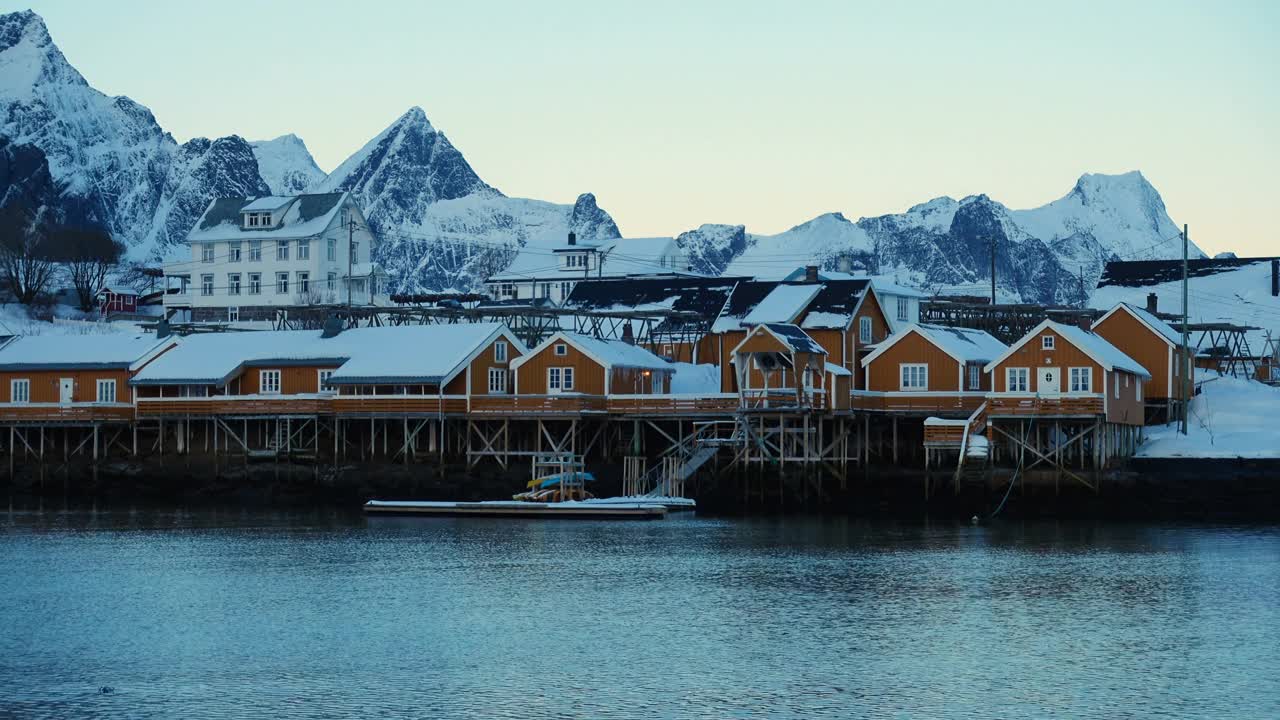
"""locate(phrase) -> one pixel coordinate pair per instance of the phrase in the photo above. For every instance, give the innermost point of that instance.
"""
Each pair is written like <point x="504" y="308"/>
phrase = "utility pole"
<point x="351" y="242"/>
<point x="993" y="271"/>
<point x="1186" y="339"/>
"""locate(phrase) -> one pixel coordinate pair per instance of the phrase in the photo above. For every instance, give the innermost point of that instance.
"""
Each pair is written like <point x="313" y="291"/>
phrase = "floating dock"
<point x="515" y="509"/>
<point x="672" y="504"/>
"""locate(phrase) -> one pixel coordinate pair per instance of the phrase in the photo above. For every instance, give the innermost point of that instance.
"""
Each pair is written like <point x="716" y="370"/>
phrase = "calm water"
<point x="241" y="614"/>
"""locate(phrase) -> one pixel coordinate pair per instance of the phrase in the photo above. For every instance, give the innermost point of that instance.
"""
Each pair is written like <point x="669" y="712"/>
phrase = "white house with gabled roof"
<point x="250" y="258"/>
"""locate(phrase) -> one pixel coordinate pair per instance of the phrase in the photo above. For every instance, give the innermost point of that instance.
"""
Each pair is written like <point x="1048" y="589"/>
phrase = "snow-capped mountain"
<point x="285" y="164"/>
<point x="440" y="226"/>
<point x="113" y="164"/>
<point x="1051" y="254"/>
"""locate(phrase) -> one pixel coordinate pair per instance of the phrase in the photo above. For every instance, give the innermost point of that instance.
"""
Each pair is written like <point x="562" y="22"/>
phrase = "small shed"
<point x="1153" y="343"/>
<point x="114" y="299"/>
<point x="574" y="363"/>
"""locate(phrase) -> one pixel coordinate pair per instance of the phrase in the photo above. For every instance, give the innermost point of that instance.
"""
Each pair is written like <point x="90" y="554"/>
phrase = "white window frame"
<point x="282" y="283"/>
<point x="251" y="219"/>
<point x="304" y="281"/>
<point x="207" y="251"/>
<point x="500" y="351"/>
<point x="1076" y="372"/>
<point x="497" y="381"/>
<point x="323" y="376"/>
<point x="864" y="330"/>
<point x="233" y="283"/>
<point x="913" y="377"/>
<point x="304" y="249"/>
<point x="1048" y="342"/>
<point x="255" y="283"/>
<point x="106" y="391"/>
<point x="332" y="279"/>
<point x="975" y="376"/>
<point x="554" y="380"/>
<point x="567" y="381"/>
<point x="255" y="251"/>
<point x="20" y="391"/>
<point x="1017" y="379"/>
<point x="282" y="250"/>
<point x="904" y="309"/>
<point x="233" y="251"/>
<point x="206" y="284"/>
<point x="560" y="349"/>
<point x="355" y="251"/>
<point x="331" y="250"/>
<point x="233" y="313"/>
<point x="566" y="289"/>
<point x="1117" y="377"/>
<point x="1139" y="390"/>
<point x="269" y="382"/>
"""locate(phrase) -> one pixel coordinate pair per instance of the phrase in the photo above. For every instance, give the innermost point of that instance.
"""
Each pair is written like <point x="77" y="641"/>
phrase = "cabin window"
<point x="1138" y="392"/>
<point x="106" y="391"/>
<point x="282" y="250"/>
<point x="507" y="291"/>
<point x="269" y="382"/>
<point x="565" y="289"/>
<point x="1046" y="342"/>
<point x="553" y="380"/>
<point x="915" y="376"/>
<point x="975" y="377"/>
<point x="255" y="251"/>
<point x="304" y="282"/>
<point x="255" y="283"/>
<point x="544" y="290"/>
<point x="206" y="252"/>
<point x="331" y="250"/>
<point x="355" y="251"/>
<point x="1017" y="379"/>
<point x="233" y="314"/>
<point x="333" y="281"/>
<point x="251" y="219"/>
<point x="233" y="283"/>
<point x="561" y="349"/>
<point x="233" y="251"/>
<point x="1081" y="380"/>
<point x="864" y="330"/>
<point x="903" y="309"/>
<point x="304" y="249"/>
<point x="282" y="283"/>
<point x="1117" y="377"/>
<point x="568" y="378"/>
<point x="20" y="391"/>
<point x="322" y="379"/>
<point x="206" y="284"/>
<point x="500" y="351"/>
<point x="497" y="381"/>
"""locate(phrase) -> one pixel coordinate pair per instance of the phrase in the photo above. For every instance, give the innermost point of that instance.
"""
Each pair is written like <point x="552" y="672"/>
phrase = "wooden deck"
<point x="70" y="413"/>
<point x="956" y="404"/>
<point x="234" y="406"/>
<point x="1037" y="406"/>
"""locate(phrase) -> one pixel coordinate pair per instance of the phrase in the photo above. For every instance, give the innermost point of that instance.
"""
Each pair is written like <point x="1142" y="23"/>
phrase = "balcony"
<point x="722" y="403"/>
<point x="367" y="405"/>
<point x="1004" y="405"/>
<point x="70" y="412"/>
<point x="235" y="405"/>
<point x="562" y="404"/>
<point x="948" y="403"/>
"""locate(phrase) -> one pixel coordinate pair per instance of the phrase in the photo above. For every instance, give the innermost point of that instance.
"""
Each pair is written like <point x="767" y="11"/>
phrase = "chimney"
<point x="1275" y="278"/>
<point x="628" y="335"/>
<point x="811" y="273"/>
<point x="332" y="326"/>
<point x="573" y="238"/>
<point x="1153" y="301"/>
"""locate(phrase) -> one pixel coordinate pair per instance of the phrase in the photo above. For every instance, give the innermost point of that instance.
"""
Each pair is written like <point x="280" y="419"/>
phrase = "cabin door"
<point x="1049" y="381"/>
<point x="66" y="390"/>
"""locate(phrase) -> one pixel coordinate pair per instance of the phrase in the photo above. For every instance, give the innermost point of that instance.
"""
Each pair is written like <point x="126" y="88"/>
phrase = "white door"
<point x="1049" y="381"/>
<point x="66" y="390"/>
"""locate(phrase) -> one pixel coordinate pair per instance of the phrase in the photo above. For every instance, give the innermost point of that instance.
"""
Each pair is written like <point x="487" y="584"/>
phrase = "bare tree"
<point x="27" y="260"/>
<point x="89" y="255"/>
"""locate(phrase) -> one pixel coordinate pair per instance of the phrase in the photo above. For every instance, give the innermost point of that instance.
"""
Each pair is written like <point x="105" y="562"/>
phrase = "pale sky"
<point x="760" y="113"/>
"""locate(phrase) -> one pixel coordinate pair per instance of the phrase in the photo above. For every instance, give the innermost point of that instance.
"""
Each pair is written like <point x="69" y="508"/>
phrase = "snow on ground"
<point x="1230" y="418"/>
<point x="690" y="379"/>
<point x="15" y="319"/>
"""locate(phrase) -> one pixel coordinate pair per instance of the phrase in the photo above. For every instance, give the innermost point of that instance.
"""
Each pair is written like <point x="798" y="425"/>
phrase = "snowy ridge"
<point x="285" y="164"/>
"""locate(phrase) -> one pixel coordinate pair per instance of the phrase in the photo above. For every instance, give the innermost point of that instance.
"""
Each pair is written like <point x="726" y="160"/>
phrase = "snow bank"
<point x="1230" y="419"/>
<point x="691" y="379"/>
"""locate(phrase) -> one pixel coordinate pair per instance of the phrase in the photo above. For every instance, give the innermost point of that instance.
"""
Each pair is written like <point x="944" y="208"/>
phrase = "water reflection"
<point x="303" y="613"/>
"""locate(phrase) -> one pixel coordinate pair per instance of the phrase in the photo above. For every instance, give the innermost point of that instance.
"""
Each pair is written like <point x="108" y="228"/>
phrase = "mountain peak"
<point x="22" y="25"/>
<point x="415" y="116"/>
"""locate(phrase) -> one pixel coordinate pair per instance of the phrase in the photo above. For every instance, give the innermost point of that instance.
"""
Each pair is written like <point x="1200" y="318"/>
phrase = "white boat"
<point x="514" y="508"/>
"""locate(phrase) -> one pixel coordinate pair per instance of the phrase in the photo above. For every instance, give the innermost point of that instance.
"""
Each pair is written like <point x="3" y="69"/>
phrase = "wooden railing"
<point x="944" y="432"/>
<point x="74" y="412"/>
<point x="399" y="404"/>
<point x="673" y="404"/>
<point x="939" y="402"/>
<point x="1039" y="405"/>
<point x="225" y="405"/>
<point x="538" y="404"/>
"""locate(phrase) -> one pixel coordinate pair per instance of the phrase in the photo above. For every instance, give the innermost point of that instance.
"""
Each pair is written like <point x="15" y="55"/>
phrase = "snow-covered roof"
<point x="307" y="216"/>
<point x="965" y="345"/>
<point x="840" y="370"/>
<point x="783" y="304"/>
<point x="1104" y="353"/>
<point x="1157" y="325"/>
<point x="793" y="337"/>
<point x="263" y="204"/>
<point x="399" y="354"/>
<point x="66" y="352"/>
<point x="623" y="257"/>
<point x="609" y="353"/>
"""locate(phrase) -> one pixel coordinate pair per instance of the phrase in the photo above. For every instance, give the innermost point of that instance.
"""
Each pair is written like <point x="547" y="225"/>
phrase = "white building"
<point x="550" y="272"/>
<point x="248" y="259"/>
